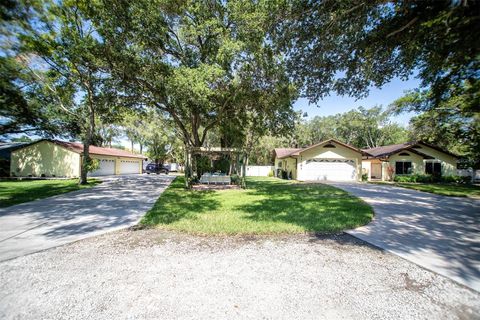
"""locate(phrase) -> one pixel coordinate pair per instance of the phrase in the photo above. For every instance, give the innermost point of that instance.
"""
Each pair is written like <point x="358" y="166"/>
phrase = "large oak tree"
<point x="348" y="46"/>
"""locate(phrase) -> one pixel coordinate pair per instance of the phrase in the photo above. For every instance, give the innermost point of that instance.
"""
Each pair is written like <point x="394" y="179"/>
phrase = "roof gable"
<point x="288" y="152"/>
<point x="329" y="141"/>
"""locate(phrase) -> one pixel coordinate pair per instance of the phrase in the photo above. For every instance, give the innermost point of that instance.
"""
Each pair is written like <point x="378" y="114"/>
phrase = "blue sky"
<point x="384" y="96"/>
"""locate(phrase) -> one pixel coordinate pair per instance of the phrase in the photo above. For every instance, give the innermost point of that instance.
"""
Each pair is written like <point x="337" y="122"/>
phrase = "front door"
<point x="376" y="171"/>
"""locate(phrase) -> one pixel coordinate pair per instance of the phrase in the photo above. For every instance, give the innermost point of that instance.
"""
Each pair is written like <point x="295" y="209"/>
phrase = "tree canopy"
<point x="204" y="64"/>
<point x="227" y="72"/>
<point x="348" y="46"/>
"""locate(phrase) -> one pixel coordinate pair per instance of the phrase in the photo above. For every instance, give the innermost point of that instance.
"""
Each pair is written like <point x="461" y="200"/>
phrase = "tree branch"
<point x="391" y="34"/>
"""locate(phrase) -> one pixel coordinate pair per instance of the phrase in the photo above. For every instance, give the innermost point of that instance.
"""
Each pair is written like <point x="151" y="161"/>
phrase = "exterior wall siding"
<point x="417" y="161"/>
<point x="45" y="158"/>
<point x="286" y="164"/>
<point x="367" y="167"/>
<point x="448" y="162"/>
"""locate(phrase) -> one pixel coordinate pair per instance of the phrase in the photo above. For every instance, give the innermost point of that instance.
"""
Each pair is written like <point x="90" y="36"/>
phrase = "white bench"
<point x="214" y="179"/>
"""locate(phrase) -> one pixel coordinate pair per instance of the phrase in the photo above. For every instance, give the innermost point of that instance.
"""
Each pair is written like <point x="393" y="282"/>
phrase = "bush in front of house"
<point x="428" y="178"/>
<point x="364" y="176"/>
<point x="423" y="178"/>
<point x="456" y="179"/>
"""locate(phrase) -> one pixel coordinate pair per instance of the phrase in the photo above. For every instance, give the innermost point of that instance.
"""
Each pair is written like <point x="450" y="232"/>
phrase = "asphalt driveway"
<point x="118" y="202"/>
<point x="436" y="232"/>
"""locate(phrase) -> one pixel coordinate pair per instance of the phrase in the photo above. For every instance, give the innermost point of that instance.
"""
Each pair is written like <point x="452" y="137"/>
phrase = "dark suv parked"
<point x="156" y="168"/>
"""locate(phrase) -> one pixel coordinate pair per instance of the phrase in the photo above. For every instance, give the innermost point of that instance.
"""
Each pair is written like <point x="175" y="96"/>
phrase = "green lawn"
<point x="19" y="191"/>
<point x="268" y="206"/>
<point x="444" y="189"/>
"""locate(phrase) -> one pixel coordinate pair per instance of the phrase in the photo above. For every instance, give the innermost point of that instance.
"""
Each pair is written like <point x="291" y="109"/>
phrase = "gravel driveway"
<point x="152" y="274"/>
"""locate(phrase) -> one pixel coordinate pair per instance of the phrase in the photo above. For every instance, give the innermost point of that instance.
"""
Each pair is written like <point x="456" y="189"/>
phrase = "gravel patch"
<point x="154" y="274"/>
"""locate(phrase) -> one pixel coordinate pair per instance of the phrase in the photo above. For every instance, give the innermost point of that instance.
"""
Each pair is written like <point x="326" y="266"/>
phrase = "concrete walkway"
<point x="436" y="232"/>
<point x="119" y="202"/>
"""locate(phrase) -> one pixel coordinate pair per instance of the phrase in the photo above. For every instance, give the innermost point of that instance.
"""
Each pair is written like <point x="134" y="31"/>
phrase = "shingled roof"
<point x="78" y="148"/>
<point x="386" y="151"/>
<point x="285" y="152"/>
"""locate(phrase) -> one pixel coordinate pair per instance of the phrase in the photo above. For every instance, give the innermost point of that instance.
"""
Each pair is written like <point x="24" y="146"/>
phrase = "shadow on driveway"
<point x="118" y="202"/>
<point x="437" y="232"/>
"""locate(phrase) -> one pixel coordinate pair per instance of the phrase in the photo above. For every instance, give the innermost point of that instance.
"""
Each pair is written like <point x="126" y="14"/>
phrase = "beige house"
<point x="336" y="161"/>
<point x="328" y="160"/>
<point x="408" y="158"/>
<point x="53" y="158"/>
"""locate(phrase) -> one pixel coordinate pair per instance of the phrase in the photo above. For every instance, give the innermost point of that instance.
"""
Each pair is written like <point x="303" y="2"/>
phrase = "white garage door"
<point x="107" y="167"/>
<point x="129" y="166"/>
<point x="329" y="169"/>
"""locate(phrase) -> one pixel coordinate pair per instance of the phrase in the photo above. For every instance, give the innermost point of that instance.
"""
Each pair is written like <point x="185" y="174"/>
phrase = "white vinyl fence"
<point x="258" y="171"/>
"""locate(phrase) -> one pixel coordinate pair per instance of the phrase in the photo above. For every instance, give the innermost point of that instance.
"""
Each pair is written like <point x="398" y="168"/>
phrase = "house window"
<point x="434" y="168"/>
<point x="404" y="154"/>
<point x="279" y="164"/>
<point x="329" y="145"/>
<point x="403" y="167"/>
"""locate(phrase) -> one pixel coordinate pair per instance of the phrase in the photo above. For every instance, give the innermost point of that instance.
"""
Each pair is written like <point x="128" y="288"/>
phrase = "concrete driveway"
<point x="119" y="202"/>
<point x="436" y="232"/>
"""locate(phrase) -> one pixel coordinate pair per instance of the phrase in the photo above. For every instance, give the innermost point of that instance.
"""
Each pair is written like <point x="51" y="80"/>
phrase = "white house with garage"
<point x="336" y="161"/>
<point x="328" y="160"/>
<point x="54" y="158"/>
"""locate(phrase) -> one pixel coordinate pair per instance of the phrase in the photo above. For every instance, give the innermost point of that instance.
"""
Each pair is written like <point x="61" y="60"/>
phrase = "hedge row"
<point x="428" y="178"/>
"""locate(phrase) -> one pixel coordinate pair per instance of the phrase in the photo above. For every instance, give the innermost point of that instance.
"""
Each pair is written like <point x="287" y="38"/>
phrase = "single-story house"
<point x="54" y="158"/>
<point x="408" y="158"/>
<point x="336" y="161"/>
<point x="328" y="160"/>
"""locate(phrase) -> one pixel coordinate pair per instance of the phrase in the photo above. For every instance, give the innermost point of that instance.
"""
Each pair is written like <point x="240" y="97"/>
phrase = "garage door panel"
<point x="129" y="166"/>
<point x="106" y="168"/>
<point x="329" y="169"/>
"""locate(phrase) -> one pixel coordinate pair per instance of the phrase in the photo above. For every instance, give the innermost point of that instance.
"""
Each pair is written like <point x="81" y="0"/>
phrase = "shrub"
<point x="364" y="176"/>
<point x="428" y="178"/>
<point x="270" y="173"/>
<point x="398" y="178"/>
<point x="423" y="178"/>
<point x="456" y="179"/>
<point x="235" y="179"/>
<point x="390" y="172"/>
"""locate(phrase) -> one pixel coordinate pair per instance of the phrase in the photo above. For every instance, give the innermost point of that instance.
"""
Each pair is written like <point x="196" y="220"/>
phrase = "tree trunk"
<point x="88" y="137"/>
<point x="187" y="168"/>
<point x="244" y="170"/>
<point x="141" y="148"/>
<point x="84" y="167"/>
<point x="131" y="141"/>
